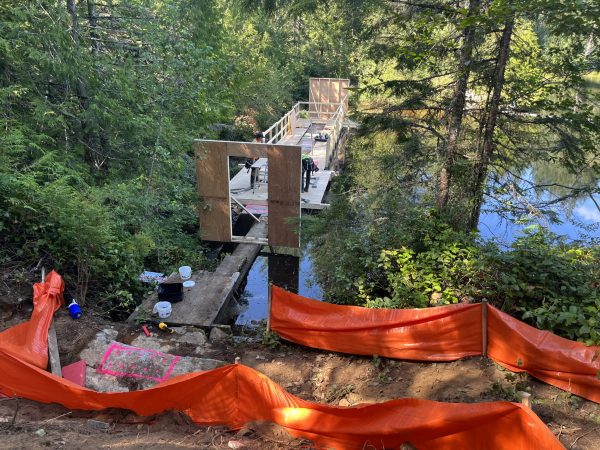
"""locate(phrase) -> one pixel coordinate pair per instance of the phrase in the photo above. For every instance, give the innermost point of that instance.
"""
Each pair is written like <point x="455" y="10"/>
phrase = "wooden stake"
<point x="269" y="308"/>
<point x="484" y="338"/>
<point x="53" y="355"/>
<point x="525" y="398"/>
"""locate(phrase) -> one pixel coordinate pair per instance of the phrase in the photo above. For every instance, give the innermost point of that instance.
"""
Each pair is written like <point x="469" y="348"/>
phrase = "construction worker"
<point x="259" y="137"/>
<point x="307" y="168"/>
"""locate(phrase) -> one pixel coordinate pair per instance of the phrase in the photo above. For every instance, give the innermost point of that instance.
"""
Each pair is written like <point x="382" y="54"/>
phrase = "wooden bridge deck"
<point x="303" y="135"/>
<point x="203" y="303"/>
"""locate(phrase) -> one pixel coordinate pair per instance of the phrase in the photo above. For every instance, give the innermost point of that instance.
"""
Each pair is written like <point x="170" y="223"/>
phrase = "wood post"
<point x="269" y="308"/>
<point x="484" y="334"/>
<point x="526" y="399"/>
<point x="53" y="355"/>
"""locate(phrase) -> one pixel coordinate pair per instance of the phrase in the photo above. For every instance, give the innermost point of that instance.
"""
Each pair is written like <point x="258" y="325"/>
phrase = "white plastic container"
<point x="163" y="309"/>
<point x="185" y="272"/>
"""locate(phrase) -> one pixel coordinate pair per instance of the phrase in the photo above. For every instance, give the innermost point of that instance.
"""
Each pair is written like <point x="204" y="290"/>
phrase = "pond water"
<point x="576" y="218"/>
<point x="292" y="273"/>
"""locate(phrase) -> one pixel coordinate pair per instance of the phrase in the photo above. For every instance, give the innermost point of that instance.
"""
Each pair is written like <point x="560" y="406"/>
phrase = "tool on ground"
<point x="163" y="327"/>
<point x="145" y="330"/>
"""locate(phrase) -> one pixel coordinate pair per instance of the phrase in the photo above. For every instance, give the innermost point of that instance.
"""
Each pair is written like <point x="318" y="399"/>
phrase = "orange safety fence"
<point x="438" y="334"/>
<point x="235" y="395"/>
<point x="446" y="333"/>
<point x="28" y="341"/>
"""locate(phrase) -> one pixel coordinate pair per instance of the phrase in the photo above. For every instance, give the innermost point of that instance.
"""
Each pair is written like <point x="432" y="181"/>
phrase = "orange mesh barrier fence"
<point x="438" y="334"/>
<point x="235" y="395"/>
<point x="445" y="333"/>
<point x="29" y="340"/>
<point x="563" y="363"/>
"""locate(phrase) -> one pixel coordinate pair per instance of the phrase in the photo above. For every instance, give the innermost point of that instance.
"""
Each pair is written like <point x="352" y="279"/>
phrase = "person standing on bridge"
<point x="307" y="168"/>
<point x="259" y="138"/>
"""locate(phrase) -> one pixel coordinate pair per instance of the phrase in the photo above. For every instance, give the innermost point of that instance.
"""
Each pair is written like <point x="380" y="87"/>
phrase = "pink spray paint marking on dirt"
<point x="137" y="363"/>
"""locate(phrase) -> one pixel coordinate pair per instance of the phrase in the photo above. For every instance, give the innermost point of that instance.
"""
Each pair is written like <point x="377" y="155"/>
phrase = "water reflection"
<point x="289" y="272"/>
<point x="545" y="183"/>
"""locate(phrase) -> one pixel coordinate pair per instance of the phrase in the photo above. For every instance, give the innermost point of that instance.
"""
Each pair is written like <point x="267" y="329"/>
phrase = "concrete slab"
<point x="202" y="303"/>
<point x="166" y="343"/>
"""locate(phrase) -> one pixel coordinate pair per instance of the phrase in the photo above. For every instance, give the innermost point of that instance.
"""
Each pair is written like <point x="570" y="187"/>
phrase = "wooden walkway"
<point x="203" y="303"/>
<point x="303" y="135"/>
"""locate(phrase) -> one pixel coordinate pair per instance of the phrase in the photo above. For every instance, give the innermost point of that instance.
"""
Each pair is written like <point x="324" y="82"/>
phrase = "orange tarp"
<point x="235" y="394"/>
<point x="438" y="334"/>
<point x="563" y="363"/>
<point x="29" y="340"/>
<point x="445" y="333"/>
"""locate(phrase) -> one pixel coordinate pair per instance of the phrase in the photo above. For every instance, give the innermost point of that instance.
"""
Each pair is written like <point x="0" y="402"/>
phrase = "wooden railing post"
<point x="484" y="334"/>
<point x="269" y="307"/>
<point x="53" y="355"/>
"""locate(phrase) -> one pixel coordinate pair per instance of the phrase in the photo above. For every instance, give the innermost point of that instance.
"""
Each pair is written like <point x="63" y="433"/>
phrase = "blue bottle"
<point x="74" y="310"/>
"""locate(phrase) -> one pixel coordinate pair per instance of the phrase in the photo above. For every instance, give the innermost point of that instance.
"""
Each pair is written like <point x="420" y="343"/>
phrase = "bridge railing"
<point x="331" y="114"/>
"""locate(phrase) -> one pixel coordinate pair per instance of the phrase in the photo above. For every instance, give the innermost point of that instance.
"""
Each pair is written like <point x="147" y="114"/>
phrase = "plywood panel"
<point x="212" y="181"/>
<point x="212" y="172"/>
<point x="285" y="173"/>
<point x="328" y="90"/>
<point x="313" y="93"/>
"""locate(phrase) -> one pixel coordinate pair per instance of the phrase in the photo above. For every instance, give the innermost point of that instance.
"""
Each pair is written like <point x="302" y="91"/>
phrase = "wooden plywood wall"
<point x="328" y="90"/>
<point x="212" y="173"/>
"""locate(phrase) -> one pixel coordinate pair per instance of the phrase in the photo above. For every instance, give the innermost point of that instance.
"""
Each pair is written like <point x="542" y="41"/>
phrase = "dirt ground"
<point x="310" y="374"/>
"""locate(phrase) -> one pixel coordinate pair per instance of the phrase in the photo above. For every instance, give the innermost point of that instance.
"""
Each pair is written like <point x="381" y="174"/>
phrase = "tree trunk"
<point x="457" y="108"/>
<point x="91" y="7"/>
<point x="588" y="50"/>
<point x="486" y="149"/>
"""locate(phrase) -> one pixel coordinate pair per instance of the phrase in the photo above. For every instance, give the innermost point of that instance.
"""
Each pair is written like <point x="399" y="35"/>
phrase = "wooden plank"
<point x="53" y="354"/>
<point x="484" y="338"/>
<point x="285" y="173"/>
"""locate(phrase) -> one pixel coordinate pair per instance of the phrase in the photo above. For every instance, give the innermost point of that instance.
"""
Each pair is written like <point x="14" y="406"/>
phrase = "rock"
<point x="194" y="337"/>
<point x="235" y="444"/>
<point x="97" y="425"/>
<point x="218" y="335"/>
<point x="260" y="358"/>
<point x="153" y="343"/>
<point x="344" y="402"/>
<point x="40" y="432"/>
<point x="97" y="347"/>
<point x="244" y="432"/>
<point x="353" y="398"/>
<point x="108" y="383"/>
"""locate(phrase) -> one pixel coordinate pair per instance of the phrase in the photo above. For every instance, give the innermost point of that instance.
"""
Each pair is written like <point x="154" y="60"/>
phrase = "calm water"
<point x="576" y="218"/>
<point x="291" y="273"/>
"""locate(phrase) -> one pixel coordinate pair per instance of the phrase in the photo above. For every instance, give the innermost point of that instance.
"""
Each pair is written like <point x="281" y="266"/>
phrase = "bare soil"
<point x="308" y="373"/>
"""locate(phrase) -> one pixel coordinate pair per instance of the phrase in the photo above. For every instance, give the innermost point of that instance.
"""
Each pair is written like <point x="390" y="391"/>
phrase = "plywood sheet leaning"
<point x="212" y="173"/>
<point x="327" y="90"/>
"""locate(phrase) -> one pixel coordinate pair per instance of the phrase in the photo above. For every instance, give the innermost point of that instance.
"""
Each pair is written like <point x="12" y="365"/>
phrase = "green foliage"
<point x="552" y="283"/>
<point x="440" y="272"/>
<point x="422" y="261"/>
<point x="271" y="339"/>
<point x="100" y="105"/>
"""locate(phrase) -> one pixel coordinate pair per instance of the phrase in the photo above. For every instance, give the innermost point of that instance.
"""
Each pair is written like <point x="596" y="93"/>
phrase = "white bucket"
<point x="163" y="309"/>
<point x="185" y="272"/>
